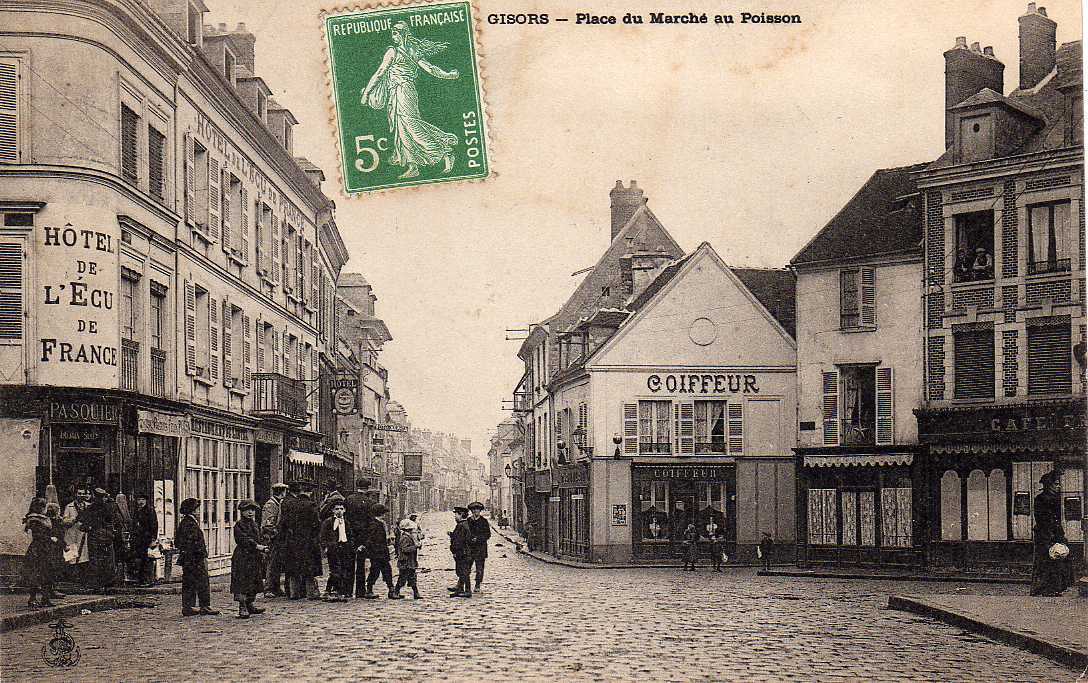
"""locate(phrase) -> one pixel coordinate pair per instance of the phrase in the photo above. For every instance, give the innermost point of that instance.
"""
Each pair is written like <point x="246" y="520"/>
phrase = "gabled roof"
<point x="987" y="96"/>
<point x="776" y="289"/>
<point x="883" y="217"/>
<point x="537" y="331"/>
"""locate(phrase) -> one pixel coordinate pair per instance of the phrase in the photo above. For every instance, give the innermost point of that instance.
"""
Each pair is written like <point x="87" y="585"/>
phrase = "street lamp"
<point x="617" y="439"/>
<point x="561" y="446"/>
<point x="507" y="471"/>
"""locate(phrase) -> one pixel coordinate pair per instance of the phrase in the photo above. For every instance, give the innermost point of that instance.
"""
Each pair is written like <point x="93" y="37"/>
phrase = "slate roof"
<point x="776" y="289"/>
<point x="881" y="218"/>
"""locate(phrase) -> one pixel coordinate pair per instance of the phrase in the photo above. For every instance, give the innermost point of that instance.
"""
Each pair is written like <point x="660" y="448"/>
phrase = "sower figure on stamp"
<point x="462" y="554"/>
<point x="270" y="523"/>
<point x="193" y="558"/>
<point x="480" y="529"/>
<point x="393" y="88"/>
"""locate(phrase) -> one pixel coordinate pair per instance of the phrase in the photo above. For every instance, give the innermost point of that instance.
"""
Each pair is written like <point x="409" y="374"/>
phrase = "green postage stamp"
<point x="407" y="95"/>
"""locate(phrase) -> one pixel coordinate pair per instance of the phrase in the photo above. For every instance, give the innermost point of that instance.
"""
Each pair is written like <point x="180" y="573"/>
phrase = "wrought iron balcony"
<point x="1051" y="266"/>
<point x="276" y="395"/>
<point x="158" y="372"/>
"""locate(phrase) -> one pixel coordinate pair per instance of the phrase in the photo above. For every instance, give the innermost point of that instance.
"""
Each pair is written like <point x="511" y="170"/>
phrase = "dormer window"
<point x="193" y="26"/>
<point x="262" y="106"/>
<point x="228" y="66"/>
<point x="976" y="138"/>
<point x="287" y="135"/>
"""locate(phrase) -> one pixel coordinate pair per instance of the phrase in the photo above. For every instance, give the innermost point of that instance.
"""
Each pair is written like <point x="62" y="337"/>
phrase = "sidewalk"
<point x="1051" y="627"/>
<point x="878" y="575"/>
<point x="14" y="612"/>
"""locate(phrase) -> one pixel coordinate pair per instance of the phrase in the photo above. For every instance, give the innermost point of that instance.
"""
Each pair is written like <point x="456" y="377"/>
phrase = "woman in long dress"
<point x="393" y="88"/>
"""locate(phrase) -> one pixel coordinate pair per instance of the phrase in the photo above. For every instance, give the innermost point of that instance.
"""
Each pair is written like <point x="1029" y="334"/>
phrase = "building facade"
<point x="171" y="264"/>
<point x="1004" y="301"/>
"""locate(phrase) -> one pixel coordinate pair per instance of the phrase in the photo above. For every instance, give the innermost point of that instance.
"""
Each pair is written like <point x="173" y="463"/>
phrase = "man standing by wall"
<point x="480" y="529"/>
<point x="270" y="522"/>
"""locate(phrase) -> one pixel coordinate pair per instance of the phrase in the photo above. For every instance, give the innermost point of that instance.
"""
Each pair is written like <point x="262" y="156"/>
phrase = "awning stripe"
<point x="305" y="458"/>
<point x="867" y="460"/>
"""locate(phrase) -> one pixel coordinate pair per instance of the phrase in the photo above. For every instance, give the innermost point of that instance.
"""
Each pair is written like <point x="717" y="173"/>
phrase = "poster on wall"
<point x="78" y="276"/>
<point x="164" y="507"/>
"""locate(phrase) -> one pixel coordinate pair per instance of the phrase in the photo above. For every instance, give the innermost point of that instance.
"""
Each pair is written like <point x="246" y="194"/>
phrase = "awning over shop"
<point x="988" y="448"/>
<point x="866" y="460"/>
<point x="304" y="458"/>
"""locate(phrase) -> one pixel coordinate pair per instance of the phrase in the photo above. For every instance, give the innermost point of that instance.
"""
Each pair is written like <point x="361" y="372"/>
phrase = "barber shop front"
<point x="668" y="497"/>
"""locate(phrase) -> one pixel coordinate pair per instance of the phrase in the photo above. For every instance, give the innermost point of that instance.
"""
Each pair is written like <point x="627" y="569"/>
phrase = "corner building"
<point x="169" y="265"/>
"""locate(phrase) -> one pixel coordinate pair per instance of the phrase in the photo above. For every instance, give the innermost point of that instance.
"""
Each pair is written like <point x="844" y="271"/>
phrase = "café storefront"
<point x="984" y="465"/>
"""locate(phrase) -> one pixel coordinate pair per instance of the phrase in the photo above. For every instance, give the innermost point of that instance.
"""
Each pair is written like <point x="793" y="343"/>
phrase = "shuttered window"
<point x="974" y="363"/>
<point x="129" y="125"/>
<point x="156" y="163"/>
<point x="11" y="291"/>
<point x="9" y="110"/>
<point x="1049" y="368"/>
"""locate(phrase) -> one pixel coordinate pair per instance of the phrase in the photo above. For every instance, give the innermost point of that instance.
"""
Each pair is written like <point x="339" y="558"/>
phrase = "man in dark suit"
<point x="377" y="550"/>
<point x="462" y="557"/>
<point x="145" y="533"/>
<point x="357" y="514"/>
<point x="480" y="529"/>
<point x="300" y="526"/>
<point x="193" y="558"/>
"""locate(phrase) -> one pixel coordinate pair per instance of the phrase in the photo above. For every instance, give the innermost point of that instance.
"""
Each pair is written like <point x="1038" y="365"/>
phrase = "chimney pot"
<point x="975" y="47"/>
<point x="1031" y="7"/>
<point x="223" y="26"/>
<point x="1042" y="11"/>
<point x="988" y="50"/>
<point x="625" y="202"/>
<point x="1038" y="46"/>
<point x="241" y="27"/>
<point x="961" y="41"/>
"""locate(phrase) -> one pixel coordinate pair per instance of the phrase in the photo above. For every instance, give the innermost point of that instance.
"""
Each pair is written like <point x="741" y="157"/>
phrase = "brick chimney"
<point x="625" y="202"/>
<point x="1038" y="40"/>
<point x="967" y="71"/>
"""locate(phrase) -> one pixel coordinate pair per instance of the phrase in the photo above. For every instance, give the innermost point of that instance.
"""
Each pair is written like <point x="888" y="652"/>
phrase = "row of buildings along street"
<point x="176" y="319"/>
<point x="889" y="398"/>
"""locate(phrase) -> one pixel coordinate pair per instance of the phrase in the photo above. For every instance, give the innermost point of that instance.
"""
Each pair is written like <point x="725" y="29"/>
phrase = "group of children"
<point x="712" y="537"/>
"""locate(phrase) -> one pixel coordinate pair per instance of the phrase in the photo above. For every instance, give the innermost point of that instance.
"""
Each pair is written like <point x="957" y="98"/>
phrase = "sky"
<point x="750" y="137"/>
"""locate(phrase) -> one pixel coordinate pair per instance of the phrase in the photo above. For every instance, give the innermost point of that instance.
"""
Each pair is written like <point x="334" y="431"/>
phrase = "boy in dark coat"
<point x="377" y="549"/>
<point x="480" y="530"/>
<point x="299" y="529"/>
<point x="766" y="549"/>
<point x="462" y="554"/>
<point x="246" y="564"/>
<point x="357" y="513"/>
<point x="407" y="557"/>
<point x="341" y="553"/>
<point x="145" y="533"/>
<point x="193" y="558"/>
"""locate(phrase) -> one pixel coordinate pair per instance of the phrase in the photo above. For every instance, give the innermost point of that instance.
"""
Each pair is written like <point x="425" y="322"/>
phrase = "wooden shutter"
<point x="276" y="351"/>
<point x="831" y="407"/>
<point x="274" y="275"/>
<point x="315" y="363"/>
<point x="11" y="291"/>
<point x="226" y="211"/>
<point x="1050" y="369"/>
<point x="9" y="110"/>
<point x="287" y="350"/>
<point x="583" y="423"/>
<point x="259" y="333"/>
<point x="129" y="143"/>
<point x="868" y="297"/>
<point x="300" y="268"/>
<point x="885" y="407"/>
<point x="214" y="197"/>
<point x="156" y="162"/>
<point x="734" y="411"/>
<point x="315" y="273"/>
<point x="259" y="235"/>
<point x="190" y="180"/>
<point x="228" y="347"/>
<point x="243" y="223"/>
<point x="247" y="354"/>
<point x="684" y="412"/>
<point x="213" y="339"/>
<point x="630" y="428"/>
<point x="190" y="328"/>
<point x="973" y="359"/>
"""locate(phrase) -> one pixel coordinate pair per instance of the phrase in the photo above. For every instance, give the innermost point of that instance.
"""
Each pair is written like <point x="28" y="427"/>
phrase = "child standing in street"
<point x="766" y="549"/>
<point x="691" y="546"/>
<point x="246" y="565"/>
<point x="38" y="564"/>
<point x="407" y="558"/>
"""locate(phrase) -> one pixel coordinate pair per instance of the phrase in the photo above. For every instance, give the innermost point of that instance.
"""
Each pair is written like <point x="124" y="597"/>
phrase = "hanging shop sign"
<point x="163" y="424"/>
<point x="413" y="466"/>
<point x="542" y="482"/>
<point x="391" y="427"/>
<point x="692" y="472"/>
<point x="345" y="394"/>
<point x="572" y="475"/>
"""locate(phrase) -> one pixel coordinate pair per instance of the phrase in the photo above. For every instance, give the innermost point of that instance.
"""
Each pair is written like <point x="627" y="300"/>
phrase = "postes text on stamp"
<point x="407" y="94"/>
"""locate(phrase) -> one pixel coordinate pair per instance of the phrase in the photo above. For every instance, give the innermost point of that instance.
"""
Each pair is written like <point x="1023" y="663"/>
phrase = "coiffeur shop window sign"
<point x="703" y="383"/>
<point x="693" y="472"/>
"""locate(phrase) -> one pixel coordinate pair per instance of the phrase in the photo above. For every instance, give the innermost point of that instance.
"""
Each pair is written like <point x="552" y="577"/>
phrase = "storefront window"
<point x="710" y="426"/>
<point x="895" y="516"/>
<point x="822" y="524"/>
<point x="951" y="528"/>
<point x="654" y="505"/>
<point x="1073" y="504"/>
<point x="654" y="434"/>
<point x="712" y="497"/>
<point x="1025" y="486"/>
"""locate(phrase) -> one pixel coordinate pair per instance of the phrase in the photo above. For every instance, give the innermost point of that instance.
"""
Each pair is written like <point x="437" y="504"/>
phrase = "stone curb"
<point x="892" y="577"/>
<point x="1063" y="654"/>
<point x="10" y="622"/>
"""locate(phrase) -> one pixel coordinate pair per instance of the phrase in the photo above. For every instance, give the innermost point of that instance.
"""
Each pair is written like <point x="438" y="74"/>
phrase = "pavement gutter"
<point x="1063" y="654"/>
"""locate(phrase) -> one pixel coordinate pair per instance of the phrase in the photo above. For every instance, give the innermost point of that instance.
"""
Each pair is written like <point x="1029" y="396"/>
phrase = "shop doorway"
<point x="262" y="472"/>
<point x="72" y="469"/>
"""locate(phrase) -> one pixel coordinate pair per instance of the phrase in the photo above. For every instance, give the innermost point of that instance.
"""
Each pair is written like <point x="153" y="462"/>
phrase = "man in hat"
<point x="270" y="523"/>
<point x="480" y="529"/>
<point x="98" y="520"/>
<point x="145" y="533"/>
<point x="193" y="558"/>
<point x="299" y="527"/>
<point x="357" y="514"/>
<point x="377" y="549"/>
<point x="1050" y="576"/>
<point x="462" y="558"/>
<point x="341" y="554"/>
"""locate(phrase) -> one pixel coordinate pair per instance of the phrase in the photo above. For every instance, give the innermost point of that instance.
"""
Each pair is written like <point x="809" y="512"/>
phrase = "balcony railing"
<point x="655" y="448"/>
<point x="1056" y="266"/>
<point x="275" y="395"/>
<point x="858" y="434"/>
<point x="710" y="447"/>
<point x="158" y="372"/>
<point x="130" y="364"/>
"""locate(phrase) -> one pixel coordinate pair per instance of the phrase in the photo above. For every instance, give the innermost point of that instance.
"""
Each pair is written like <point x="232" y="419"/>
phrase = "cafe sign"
<point x="163" y="424"/>
<point x="1059" y="421"/>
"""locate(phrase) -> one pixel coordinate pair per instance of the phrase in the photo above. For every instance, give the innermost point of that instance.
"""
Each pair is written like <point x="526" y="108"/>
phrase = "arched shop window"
<point x="998" y="502"/>
<point x="950" y="507"/>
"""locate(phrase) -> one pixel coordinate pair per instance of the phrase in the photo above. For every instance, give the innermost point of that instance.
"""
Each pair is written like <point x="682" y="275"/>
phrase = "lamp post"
<point x="617" y="439"/>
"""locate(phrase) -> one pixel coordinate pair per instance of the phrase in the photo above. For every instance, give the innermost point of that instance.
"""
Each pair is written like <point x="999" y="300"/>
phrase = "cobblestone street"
<point x="540" y="621"/>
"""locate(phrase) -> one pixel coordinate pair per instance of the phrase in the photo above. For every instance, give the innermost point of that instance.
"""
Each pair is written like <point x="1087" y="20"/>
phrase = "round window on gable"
<point x="976" y="128"/>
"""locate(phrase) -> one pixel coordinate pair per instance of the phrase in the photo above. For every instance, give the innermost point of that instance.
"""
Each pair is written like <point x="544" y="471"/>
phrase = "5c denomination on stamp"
<point x="407" y="93"/>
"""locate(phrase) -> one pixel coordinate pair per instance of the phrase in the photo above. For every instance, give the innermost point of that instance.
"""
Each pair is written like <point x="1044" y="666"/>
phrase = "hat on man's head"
<point x="248" y="504"/>
<point x="475" y="505"/>
<point x="461" y="510"/>
<point x="362" y="485"/>
<point x="1050" y="477"/>
<point x="378" y="510"/>
<point x="99" y="491"/>
<point x="188" y="506"/>
<point x="279" y="486"/>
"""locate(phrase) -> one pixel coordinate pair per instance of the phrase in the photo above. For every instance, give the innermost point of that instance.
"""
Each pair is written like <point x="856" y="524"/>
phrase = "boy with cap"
<point x="270" y="522"/>
<point x="377" y="549"/>
<point x="145" y="533"/>
<point x="193" y="558"/>
<point x="246" y="578"/>
<point x="462" y="558"/>
<point x="341" y="553"/>
<point x="481" y="532"/>
<point x="407" y="558"/>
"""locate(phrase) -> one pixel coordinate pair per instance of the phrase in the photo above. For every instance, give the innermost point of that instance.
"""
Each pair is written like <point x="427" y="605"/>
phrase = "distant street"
<point x="536" y="621"/>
